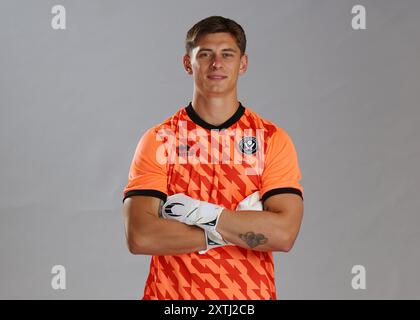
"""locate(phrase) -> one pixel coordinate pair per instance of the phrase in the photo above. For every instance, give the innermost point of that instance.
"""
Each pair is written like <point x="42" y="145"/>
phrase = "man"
<point x="197" y="180"/>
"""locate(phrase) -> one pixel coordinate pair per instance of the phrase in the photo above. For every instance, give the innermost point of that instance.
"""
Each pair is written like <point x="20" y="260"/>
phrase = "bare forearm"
<point x="166" y="237"/>
<point x="257" y="230"/>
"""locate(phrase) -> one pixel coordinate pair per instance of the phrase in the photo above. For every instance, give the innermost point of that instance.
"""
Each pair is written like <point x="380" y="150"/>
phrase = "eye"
<point x="227" y="55"/>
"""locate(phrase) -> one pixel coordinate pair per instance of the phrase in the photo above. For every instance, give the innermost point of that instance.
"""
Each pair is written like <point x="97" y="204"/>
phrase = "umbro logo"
<point x="183" y="150"/>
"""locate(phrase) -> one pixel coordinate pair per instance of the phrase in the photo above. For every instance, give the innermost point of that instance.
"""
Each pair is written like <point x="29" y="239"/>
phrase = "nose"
<point x="217" y="62"/>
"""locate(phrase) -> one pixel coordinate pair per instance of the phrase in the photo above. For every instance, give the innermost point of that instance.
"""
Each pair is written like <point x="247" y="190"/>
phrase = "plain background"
<point x="75" y="102"/>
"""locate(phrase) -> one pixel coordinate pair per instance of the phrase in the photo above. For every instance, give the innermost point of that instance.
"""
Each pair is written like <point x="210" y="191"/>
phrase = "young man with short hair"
<point x="213" y="189"/>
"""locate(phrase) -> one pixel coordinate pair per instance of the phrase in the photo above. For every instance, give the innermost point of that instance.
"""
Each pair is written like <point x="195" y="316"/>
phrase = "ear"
<point x="187" y="63"/>
<point x="243" y="64"/>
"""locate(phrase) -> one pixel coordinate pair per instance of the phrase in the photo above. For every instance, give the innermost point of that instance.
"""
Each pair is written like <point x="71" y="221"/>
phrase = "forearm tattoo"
<point x="160" y="208"/>
<point x="252" y="239"/>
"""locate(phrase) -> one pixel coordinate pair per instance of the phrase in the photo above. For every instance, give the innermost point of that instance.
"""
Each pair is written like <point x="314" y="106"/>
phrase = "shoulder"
<point x="271" y="128"/>
<point x="170" y="124"/>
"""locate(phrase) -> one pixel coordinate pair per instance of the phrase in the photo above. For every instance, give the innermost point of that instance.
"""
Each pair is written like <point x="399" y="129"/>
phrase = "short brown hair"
<point x="215" y="24"/>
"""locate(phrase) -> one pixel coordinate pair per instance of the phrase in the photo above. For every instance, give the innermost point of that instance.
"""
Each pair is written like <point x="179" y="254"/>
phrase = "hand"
<point x="205" y="215"/>
<point x="185" y="209"/>
<point x="252" y="202"/>
<point x="213" y="240"/>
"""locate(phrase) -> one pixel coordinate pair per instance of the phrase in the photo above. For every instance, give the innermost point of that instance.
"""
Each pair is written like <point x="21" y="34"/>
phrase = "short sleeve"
<point x="281" y="172"/>
<point x="148" y="172"/>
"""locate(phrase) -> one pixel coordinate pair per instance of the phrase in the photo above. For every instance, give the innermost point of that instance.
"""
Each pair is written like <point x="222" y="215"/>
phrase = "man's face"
<point x="215" y="64"/>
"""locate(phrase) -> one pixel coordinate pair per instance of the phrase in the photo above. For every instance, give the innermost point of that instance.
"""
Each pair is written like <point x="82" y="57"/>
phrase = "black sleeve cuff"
<point x="146" y="192"/>
<point x="273" y="192"/>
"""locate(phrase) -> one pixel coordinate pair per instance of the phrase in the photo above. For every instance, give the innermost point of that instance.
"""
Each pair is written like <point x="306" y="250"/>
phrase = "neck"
<point x="215" y="110"/>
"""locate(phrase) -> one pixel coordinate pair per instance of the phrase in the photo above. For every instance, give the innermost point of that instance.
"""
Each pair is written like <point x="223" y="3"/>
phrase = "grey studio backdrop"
<point x="74" y="103"/>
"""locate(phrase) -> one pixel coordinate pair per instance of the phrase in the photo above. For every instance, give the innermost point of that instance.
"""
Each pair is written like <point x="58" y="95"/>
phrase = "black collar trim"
<point x="196" y="118"/>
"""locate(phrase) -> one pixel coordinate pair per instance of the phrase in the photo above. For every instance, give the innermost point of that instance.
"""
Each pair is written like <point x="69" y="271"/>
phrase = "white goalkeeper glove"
<point x="213" y="240"/>
<point x="185" y="209"/>
<point x="252" y="202"/>
<point x="190" y="211"/>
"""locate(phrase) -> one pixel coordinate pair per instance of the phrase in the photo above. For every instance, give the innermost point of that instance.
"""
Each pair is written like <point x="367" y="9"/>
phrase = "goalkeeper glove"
<point x="205" y="215"/>
<point x="213" y="240"/>
<point x="252" y="202"/>
<point x="190" y="211"/>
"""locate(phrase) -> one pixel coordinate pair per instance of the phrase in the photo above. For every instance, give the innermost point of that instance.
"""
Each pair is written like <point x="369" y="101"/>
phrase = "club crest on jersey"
<point x="248" y="145"/>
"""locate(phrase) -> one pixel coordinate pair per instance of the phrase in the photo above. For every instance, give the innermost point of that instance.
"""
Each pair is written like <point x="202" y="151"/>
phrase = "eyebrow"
<point x="223" y="50"/>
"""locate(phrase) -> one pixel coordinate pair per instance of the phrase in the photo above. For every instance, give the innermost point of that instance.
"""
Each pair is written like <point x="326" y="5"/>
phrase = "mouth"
<point x="216" y="77"/>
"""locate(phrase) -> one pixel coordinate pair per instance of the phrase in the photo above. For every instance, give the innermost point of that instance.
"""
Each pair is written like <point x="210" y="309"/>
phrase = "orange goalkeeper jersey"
<point x="222" y="165"/>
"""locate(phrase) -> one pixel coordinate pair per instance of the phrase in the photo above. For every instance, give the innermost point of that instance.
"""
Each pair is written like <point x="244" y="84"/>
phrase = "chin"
<point x="218" y="92"/>
<point x="218" y="88"/>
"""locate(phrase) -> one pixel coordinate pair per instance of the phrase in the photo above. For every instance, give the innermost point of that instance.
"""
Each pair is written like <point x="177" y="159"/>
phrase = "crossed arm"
<point x="273" y="229"/>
